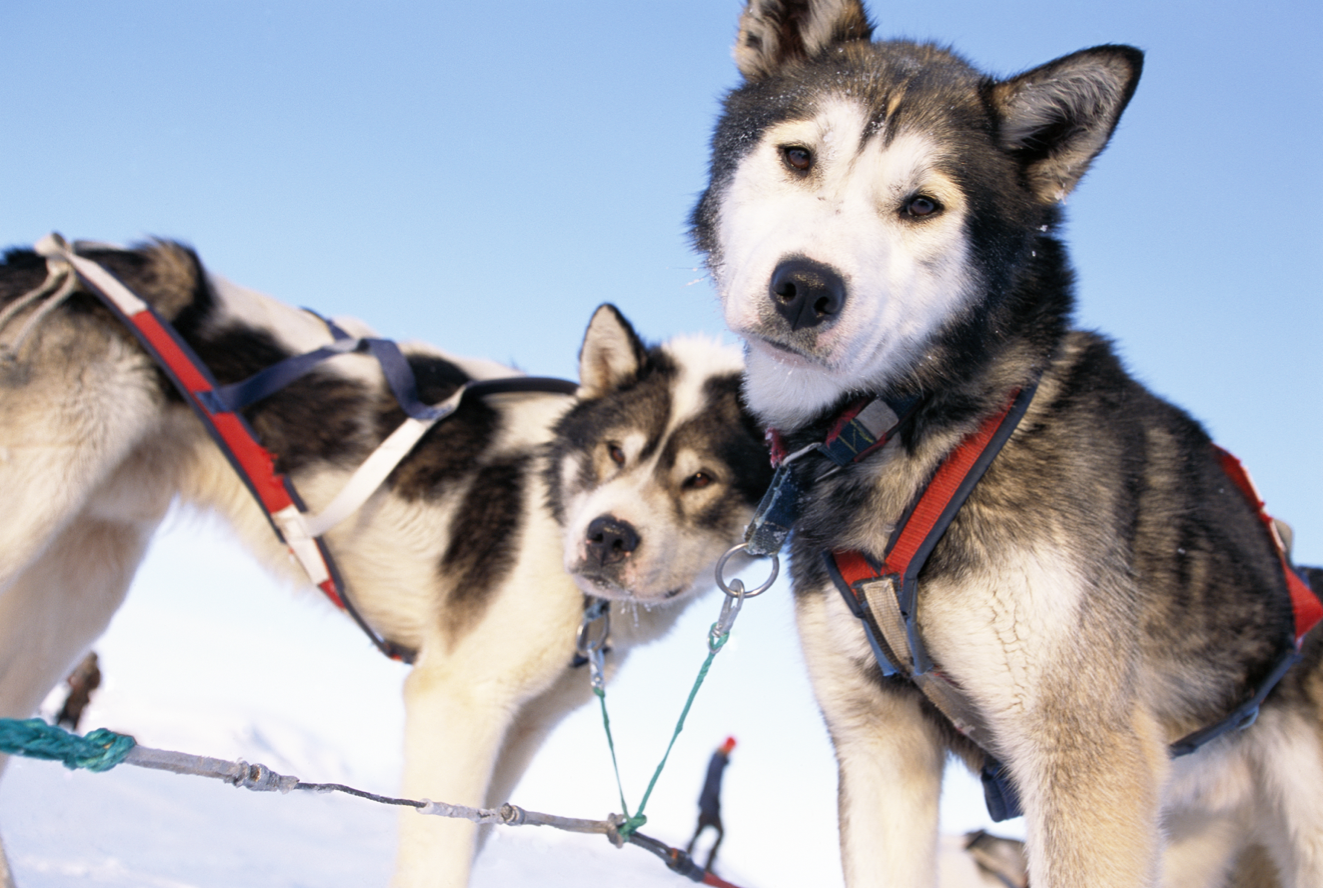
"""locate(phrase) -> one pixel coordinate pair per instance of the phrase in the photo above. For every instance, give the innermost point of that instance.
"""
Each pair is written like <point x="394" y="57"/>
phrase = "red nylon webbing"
<point x="1305" y="604"/>
<point x="250" y="459"/>
<point x="927" y="512"/>
<point x="330" y="591"/>
<point x="258" y="464"/>
<point x="854" y="566"/>
<point x="939" y="492"/>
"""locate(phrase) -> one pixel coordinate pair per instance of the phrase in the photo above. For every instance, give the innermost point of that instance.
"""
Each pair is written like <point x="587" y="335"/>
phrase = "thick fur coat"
<point x="882" y="221"/>
<point x="458" y="557"/>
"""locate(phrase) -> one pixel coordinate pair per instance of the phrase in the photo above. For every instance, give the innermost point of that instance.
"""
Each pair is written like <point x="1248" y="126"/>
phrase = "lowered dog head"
<point x="873" y="205"/>
<point x="656" y="470"/>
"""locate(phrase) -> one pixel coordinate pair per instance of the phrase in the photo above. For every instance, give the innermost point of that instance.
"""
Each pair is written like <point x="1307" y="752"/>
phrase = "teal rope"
<point x="632" y="823"/>
<point x="100" y="750"/>
<point x="615" y="765"/>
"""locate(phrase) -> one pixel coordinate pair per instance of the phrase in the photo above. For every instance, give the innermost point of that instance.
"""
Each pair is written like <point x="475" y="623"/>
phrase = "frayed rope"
<point x="99" y="750"/>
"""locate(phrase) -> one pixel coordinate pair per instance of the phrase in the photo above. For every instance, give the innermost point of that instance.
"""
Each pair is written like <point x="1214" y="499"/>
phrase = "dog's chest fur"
<point x="1007" y="597"/>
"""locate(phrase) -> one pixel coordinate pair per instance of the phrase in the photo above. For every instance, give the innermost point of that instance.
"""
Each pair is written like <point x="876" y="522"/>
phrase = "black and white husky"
<point x="881" y="222"/>
<point x="477" y="552"/>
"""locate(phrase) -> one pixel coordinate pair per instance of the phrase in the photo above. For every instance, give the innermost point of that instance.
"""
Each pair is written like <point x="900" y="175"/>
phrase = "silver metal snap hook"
<point x="730" y="609"/>
<point x="590" y="644"/>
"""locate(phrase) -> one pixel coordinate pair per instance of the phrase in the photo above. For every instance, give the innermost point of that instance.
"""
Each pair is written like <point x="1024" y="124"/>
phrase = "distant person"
<point x="85" y="679"/>
<point x="709" y="801"/>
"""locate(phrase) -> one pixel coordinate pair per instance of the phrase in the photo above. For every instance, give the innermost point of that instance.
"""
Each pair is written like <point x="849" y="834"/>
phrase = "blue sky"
<point x="481" y="176"/>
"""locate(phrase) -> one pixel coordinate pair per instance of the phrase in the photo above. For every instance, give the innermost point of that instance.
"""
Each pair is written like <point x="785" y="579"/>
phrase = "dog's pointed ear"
<point x="775" y="32"/>
<point x="612" y="353"/>
<point x="1056" y="118"/>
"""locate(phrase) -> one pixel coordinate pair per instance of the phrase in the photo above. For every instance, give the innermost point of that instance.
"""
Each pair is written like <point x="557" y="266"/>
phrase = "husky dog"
<point x="881" y="221"/>
<point x="477" y="552"/>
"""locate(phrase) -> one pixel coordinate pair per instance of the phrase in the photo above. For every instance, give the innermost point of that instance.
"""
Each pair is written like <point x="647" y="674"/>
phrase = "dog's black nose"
<point x="806" y="293"/>
<point x="610" y="539"/>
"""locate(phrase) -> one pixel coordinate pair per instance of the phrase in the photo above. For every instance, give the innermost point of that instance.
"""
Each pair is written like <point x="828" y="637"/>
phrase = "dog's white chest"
<point x="994" y="629"/>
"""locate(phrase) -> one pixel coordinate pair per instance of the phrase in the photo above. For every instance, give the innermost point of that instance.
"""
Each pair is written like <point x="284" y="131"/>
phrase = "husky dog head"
<point x="656" y="469"/>
<point x="875" y="209"/>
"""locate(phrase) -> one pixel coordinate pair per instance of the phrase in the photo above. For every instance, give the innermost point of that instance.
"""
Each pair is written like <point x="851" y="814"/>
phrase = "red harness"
<point x="883" y="594"/>
<point x="889" y="617"/>
<point x="941" y="499"/>
<point x="255" y="465"/>
<point x="1305" y="604"/>
<point x="926" y="523"/>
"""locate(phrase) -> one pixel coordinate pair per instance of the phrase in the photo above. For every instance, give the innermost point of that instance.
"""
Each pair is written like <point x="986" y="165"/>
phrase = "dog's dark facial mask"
<point x="874" y="208"/>
<point x="656" y="469"/>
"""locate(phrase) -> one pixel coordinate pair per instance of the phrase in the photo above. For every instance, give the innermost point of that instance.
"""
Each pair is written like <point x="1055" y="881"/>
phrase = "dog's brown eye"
<point x="921" y="206"/>
<point x="797" y="157"/>
<point x="617" y="455"/>
<point x="698" y="481"/>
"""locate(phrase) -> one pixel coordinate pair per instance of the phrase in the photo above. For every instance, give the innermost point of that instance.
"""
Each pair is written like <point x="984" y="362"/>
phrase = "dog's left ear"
<point x="1057" y="118"/>
<point x="774" y="33"/>
<point x="612" y="353"/>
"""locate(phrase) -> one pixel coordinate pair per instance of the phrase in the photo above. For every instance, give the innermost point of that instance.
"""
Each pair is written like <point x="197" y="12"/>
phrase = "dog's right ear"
<point x="775" y="32"/>
<point x="1056" y="118"/>
<point x="612" y="353"/>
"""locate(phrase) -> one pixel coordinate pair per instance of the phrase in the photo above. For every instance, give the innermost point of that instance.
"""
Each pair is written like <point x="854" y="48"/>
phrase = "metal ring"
<point x="748" y="593"/>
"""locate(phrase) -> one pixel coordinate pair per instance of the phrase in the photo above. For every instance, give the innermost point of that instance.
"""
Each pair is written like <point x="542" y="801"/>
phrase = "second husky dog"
<point x="882" y="223"/>
<point x="652" y="471"/>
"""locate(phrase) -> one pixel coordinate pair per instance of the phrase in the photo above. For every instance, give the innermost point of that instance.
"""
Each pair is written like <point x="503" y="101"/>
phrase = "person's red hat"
<point x="728" y="745"/>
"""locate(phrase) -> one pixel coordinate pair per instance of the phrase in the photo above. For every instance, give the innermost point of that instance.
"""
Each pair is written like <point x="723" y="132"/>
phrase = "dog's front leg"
<point x="454" y="730"/>
<point x="890" y="757"/>
<point x="890" y="783"/>
<point x="1091" y="792"/>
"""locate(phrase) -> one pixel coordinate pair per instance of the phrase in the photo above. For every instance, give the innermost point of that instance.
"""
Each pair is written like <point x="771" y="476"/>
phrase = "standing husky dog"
<point x="650" y="472"/>
<point x="881" y="224"/>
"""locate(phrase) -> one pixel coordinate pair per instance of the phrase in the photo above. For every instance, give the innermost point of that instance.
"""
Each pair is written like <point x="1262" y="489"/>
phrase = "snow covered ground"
<point x="131" y="828"/>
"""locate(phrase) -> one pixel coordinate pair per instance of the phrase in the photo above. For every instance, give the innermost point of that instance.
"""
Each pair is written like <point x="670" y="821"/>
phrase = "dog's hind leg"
<point x="1289" y="815"/>
<point x="57" y="607"/>
<point x="6" y="874"/>
<point x="1201" y="849"/>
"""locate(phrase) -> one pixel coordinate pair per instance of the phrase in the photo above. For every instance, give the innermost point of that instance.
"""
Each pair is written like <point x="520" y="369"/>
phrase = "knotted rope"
<point x="101" y="750"/>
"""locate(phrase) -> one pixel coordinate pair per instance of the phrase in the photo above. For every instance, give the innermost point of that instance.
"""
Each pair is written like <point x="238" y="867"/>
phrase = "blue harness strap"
<point x="218" y="408"/>
<point x="247" y="392"/>
<point x="862" y="428"/>
<point x="394" y="367"/>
